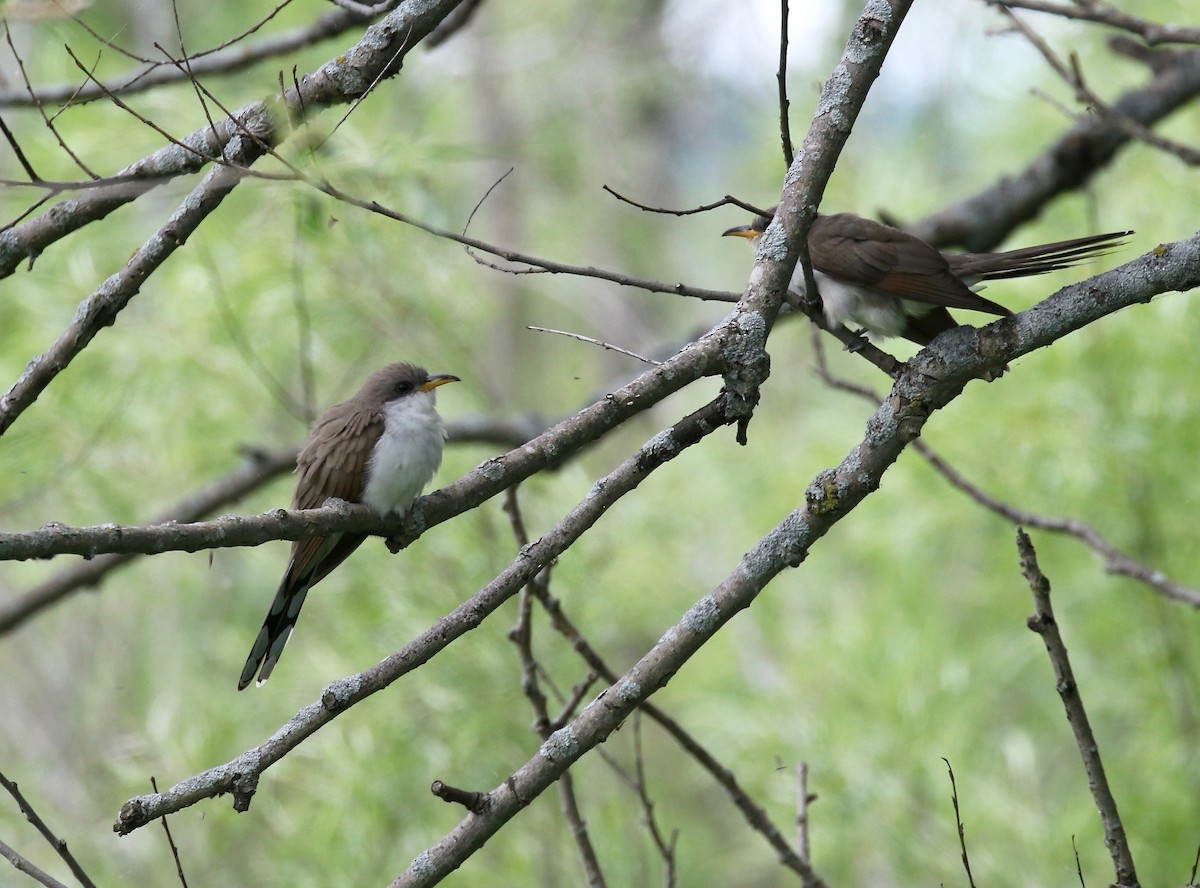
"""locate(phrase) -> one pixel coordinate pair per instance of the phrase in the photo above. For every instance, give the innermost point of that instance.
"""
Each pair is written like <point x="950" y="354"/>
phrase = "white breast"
<point x="857" y="306"/>
<point x="407" y="454"/>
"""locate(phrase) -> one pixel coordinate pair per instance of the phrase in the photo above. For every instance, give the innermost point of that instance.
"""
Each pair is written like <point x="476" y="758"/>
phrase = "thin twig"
<point x="522" y="636"/>
<point x="1115" y="561"/>
<point x="727" y="200"/>
<point x="1078" y="863"/>
<point x="1072" y="74"/>
<point x="666" y="847"/>
<point x="171" y="842"/>
<point x="1044" y="624"/>
<point x="803" y="801"/>
<point x="589" y="339"/>
<point x="1151" y="32"/>
<point x="59" y="845"/>
<point x="24" y="866"/>
<point x="962" y="834"/>
<point x="42" y="111"/>
<point x="785" y="129"/>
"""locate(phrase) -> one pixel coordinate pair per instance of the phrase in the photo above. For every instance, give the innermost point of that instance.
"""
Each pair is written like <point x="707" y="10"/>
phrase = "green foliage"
<point x="902" y="638"/>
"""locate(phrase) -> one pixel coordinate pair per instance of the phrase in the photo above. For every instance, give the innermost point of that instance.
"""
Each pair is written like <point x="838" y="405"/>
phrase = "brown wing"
<point x="861" y="251"/>
<point x="323" y="471"/>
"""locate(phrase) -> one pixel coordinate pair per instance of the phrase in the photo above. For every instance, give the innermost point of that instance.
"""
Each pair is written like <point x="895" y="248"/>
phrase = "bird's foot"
<point x="860" y="340"/>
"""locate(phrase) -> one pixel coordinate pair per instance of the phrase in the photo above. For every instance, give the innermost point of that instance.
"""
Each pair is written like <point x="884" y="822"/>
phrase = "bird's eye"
<point x="403" y="388"/>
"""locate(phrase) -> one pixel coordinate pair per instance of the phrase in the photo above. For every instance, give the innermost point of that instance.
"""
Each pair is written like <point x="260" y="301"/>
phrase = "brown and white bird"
<point x="893" y="283"/>
<point x="381" y="448"/>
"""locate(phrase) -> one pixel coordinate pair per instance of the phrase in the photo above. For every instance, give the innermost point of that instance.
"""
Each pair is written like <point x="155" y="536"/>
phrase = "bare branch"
<point x="605" y="345"/>
<point x="240" y="777"/>
<point x="227" y="58"/>
<point x="1116" y="562"/>
<point x="982" y="221"/>
<point x="24" y="866"/>
<point x="962" y="833"/>
<point x="804" y="800"/>
<point x="1044" y="624"/>
<point x="1103" y="14"/>
<point x="1072" y="75"/>
<point x="785" y="129"/>
<point x="727" y="200"/>
<point x="453" y="23"/>
<point x="262" y="467"/>
<point x="59" y="846"/>
<point x="341" y="80"/>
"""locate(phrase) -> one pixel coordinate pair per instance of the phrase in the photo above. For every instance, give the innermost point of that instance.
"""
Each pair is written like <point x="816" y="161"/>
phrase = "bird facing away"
<point x="892" y="283"/>
<point x="380" y="448"/>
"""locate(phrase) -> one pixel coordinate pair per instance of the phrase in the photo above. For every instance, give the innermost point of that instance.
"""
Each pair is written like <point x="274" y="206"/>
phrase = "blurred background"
<point x="900" y="641"/>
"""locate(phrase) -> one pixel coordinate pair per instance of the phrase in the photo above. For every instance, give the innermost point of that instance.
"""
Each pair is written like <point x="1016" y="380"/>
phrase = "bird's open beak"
<point x="748" y="231"/>
<point x="434" y="381"/>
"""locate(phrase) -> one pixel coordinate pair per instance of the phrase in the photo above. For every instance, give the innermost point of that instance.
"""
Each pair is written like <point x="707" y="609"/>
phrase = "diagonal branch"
<point x="240" y="777"/>
<point x="982" y="221"/>
<point x="102" y="307"/>
<point x="933" y="378"/>
<point x="228" y="59"/>
<point x="54" y="841"/>
<point x="1044" y="624"/>
<point x="1092" y="11"/>
<point x="343" y="79"/>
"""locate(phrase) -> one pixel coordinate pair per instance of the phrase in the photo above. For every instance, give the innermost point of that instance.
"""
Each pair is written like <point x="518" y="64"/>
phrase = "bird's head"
<point x="397" y="381"/>
<point x="751" y="232"/>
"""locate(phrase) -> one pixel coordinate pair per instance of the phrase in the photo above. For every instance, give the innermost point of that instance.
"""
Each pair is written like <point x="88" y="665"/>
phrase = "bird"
<point x="892" y="283"/>
<point x="381" y="447"/>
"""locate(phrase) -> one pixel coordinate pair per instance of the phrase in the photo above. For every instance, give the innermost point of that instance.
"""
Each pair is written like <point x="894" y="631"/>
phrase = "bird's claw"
<point x="861" y="340"/>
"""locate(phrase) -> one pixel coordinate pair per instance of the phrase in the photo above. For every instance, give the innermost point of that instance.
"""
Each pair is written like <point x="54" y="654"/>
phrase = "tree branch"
<point x="240" y="777"/>
<point x="262" y="467"/>
<point x="1044" y="624"/>
<point x="982" y="221"/>
<point x="343" y="79"/>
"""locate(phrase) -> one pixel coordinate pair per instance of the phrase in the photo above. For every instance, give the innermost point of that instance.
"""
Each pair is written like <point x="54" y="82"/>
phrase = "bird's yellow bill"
<point x="434" y="381"/>
<point x="742" y="231"/>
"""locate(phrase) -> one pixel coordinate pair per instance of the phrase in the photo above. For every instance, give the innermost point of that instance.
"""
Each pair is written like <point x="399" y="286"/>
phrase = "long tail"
<point x="1035" y="260"/>
<point x="311" y="562"/>
<point x="275" y="631"/>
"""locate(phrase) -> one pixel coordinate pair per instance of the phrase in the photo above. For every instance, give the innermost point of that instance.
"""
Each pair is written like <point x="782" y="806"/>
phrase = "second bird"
<point x="380" y="448"/>
<point x="893" y="283"/>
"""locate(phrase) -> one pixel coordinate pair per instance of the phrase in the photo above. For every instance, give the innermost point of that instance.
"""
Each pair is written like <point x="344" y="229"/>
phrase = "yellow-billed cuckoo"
<point x="380" y="448"/>
<point x="892" y="283"/>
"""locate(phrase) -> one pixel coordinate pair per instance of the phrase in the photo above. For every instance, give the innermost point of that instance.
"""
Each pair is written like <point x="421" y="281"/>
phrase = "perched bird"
<point x="380" y="448"/>
<point x="894" y="284"/>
